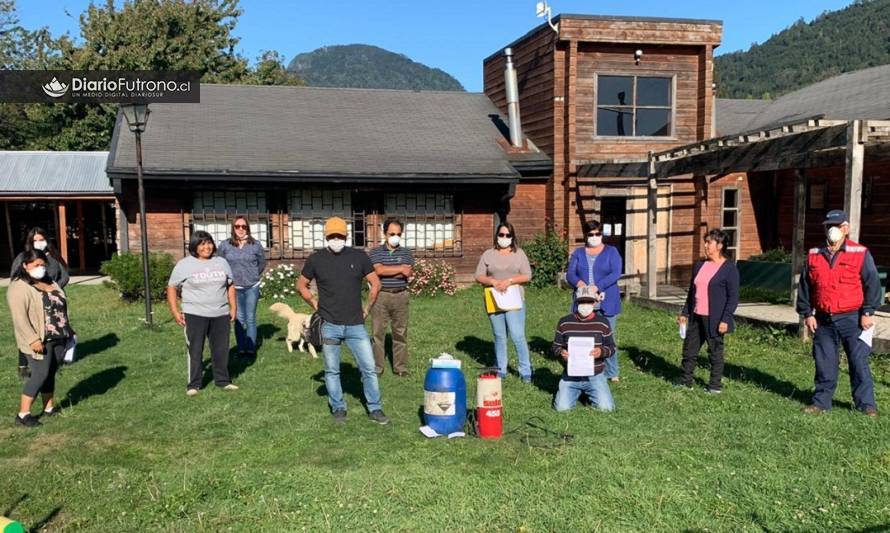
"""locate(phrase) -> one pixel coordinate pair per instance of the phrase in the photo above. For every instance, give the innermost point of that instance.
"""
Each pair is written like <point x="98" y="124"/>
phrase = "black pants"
<point x="216" y="329"/>
<point x="43" y="371"/>
<point x="696" y="336"/>
<point x="23" y="359"/>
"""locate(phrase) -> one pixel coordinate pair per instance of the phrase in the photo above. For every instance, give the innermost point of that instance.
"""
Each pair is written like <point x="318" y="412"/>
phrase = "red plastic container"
<point x="489" y="407"/>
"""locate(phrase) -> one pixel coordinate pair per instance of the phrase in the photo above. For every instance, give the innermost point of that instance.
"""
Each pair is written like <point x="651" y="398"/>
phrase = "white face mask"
<point x="585" y="310"/>
<point x="835" y="234"/>
<point x="336" y="245"/>
<point x="37" y="272"/>
<point x="394" y="240"/>
<point x="40" y="245"/>
<point x="594" y="241"/>
<point x="504" y="242"/>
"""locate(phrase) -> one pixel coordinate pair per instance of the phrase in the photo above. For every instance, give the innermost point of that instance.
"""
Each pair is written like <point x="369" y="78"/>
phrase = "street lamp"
<point x="137" y="118"/>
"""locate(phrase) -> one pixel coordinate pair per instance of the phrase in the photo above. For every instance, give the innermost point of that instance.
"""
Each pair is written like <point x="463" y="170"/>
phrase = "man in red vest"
<point x="838" y="294"/>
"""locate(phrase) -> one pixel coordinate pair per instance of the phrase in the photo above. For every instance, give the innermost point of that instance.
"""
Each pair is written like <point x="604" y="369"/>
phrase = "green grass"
<point x="132" y="452"/>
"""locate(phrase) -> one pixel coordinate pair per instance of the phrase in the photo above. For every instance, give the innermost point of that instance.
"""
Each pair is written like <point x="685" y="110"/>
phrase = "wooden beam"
<point x="853" y="175"/>
<point x="9" y="232"/>
<point x="798" y="250"/>
<point x="63" y="232"/>
<point x="652" y="234"/>
<point x="81" y="238"/>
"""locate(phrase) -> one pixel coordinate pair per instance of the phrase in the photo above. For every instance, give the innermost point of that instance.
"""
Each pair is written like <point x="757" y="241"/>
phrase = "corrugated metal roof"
<point x="268" y="130"/>
<point x="45" y="173"/>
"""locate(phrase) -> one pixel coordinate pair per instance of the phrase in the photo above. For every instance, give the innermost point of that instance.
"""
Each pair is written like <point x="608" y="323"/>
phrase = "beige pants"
<point x="391" y="309"/>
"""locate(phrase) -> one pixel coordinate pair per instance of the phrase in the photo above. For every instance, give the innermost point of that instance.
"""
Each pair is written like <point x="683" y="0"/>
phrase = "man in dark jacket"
<point x="838" y="294"/>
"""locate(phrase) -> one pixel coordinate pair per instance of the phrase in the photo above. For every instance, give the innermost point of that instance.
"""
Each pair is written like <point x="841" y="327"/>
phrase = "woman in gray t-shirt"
<point x="499" y="268"/>
<point x="208" y="309"/>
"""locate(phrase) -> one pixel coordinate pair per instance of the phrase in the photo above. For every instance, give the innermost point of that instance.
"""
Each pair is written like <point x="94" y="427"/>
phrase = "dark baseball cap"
<point x="835" y="217"/>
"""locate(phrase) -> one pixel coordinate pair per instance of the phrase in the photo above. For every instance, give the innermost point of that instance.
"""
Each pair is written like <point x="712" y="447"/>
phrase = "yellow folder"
<point x="490" y="306"/>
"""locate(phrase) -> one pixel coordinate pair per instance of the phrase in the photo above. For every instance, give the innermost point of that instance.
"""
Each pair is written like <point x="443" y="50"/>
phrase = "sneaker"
<point x="24" y="373"/>
<point x="339" y="416"/>
<point x="870" y="412"/>
<point x="710" y="390"/>
<point x="527" y="380"/>
<point x="812" y="410"/>
<point x="230" y="386"/>
<point x="615" y="379"/>
<point x="379" y="417"/>
<point x="28" y="421"/>
<point x="55" y="412"/>
<point x="191" y="392"/>
<point x="403" y="374"/>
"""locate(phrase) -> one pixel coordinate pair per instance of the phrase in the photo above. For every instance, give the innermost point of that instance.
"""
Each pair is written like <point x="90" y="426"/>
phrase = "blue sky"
<point x="452" y="35"/>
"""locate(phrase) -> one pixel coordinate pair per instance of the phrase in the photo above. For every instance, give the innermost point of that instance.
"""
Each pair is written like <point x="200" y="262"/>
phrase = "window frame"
<point x="735" y="246"/>
<point x="255" y="216"/>
<point x="672" y="136"/>
<point x="454" y="218"/>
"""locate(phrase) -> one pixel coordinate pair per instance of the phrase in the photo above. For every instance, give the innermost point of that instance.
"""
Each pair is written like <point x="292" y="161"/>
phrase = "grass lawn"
<point x="131" y="452"/>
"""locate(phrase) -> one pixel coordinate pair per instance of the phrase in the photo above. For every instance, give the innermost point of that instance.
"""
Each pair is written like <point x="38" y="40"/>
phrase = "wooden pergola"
<point x="809" y="143"/>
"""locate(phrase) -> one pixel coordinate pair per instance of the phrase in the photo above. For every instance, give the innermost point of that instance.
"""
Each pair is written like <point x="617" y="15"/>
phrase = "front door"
<point x="613" y="210"/>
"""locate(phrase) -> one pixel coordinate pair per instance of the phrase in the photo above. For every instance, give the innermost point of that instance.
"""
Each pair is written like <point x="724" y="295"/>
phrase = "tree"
<point x="270" y="70"/>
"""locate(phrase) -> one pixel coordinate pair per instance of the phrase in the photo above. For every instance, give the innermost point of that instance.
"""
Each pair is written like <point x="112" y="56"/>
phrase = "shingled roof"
<point x="303" y="133"/>
<point x="863" y="94"/>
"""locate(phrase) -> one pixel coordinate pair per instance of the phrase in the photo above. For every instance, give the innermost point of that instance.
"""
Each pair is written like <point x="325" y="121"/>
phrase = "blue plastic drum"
<point x="445" y="400"/>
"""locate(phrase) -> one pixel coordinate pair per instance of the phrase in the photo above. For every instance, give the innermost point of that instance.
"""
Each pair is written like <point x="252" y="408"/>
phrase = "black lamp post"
<point x="137" y="118"/>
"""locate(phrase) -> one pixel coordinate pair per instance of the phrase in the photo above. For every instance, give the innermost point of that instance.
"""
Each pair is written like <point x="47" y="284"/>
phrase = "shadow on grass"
<point x="482" y="351"/>
<point x="387" y="351"/>
<point x="660" y="367"/>
<point x="95" y="385"/>
<point x="542" y="347"/>
<point x="350" y="382"/>
<point x="13" y="505"/>
<point x="45" y="521"/>
<point x="237" y="366"/>
<point x="266" y="331"/>
<point x="874" y="529"/>
<point x="98" y="345"/>
<point x="546" y="380"/>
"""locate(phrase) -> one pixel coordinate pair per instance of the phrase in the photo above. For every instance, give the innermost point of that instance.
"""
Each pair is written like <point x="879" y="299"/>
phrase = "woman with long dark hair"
<point x="500" y="267"/>
<point x="710" y="304"/>
<point x="56" y="270"/>
<point x="247" y="258"/>
<point x="208" y="309"/>
<point x="39" y="310"/>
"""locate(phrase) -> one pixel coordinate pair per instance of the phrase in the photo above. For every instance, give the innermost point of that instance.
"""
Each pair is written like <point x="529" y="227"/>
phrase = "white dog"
<point x="297" y="324"/>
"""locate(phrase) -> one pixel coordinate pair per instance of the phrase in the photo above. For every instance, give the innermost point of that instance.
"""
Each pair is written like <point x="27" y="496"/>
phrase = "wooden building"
<point x="289" y="157"/>
<point x="65" y="193"/>
<point x="602" y="91"/>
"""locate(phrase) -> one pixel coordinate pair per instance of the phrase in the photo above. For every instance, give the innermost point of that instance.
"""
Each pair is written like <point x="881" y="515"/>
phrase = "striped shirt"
<point x="595" y="326"/>
<point x="591" y="261"/>
<point x="382" y="255"/>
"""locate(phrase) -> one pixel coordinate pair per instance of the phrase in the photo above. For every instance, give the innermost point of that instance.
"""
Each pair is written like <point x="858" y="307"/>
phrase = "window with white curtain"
<point x="309" y="208"/>
<point x="429" y="219"/>
<point x="213" y="212"/>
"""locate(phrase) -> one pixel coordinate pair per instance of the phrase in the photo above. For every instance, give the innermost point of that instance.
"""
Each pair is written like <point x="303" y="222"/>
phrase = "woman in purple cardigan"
<point x="599" y="265"/>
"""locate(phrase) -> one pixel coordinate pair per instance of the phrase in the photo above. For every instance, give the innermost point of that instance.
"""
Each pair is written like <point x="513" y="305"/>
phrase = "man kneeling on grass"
<point x="589" y="324"/>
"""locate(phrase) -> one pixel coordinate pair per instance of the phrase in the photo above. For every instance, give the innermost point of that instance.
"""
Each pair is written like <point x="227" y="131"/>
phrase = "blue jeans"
<point x="514" y="323"/>
<point x="245" y="323"/>
<point x="595" y="387"/>
<point x="612" y="362"/>
<point x="356" y="338"/>
<point x="832" y="331"/>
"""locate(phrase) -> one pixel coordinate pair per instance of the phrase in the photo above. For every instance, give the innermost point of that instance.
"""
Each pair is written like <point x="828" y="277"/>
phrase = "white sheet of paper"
<point x="580" y="362"/>
<point x="429" y="432"/>
<point x="867" y="336"/>
<point x="510" y="300"/>
<point x="69" y="349"/>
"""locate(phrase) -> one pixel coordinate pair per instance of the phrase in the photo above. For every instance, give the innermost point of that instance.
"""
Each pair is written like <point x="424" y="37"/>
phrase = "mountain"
<point x="852" y="38"/>
<point x="369" y="67"/>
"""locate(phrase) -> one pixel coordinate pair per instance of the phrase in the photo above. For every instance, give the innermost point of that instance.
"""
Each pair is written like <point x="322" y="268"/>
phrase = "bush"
<point x="125" y="271"/>
<point x="776" y="255"/>
<point x="280" y="282"/>
<point x="548" y="254"/>
<point x="432" y="277"/>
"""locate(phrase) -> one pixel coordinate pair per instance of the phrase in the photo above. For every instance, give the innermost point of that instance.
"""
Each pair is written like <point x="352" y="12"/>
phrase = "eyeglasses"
<point x="242" y="226"/>
<point x="504" y="235"/>
<point x="595" y="234"/>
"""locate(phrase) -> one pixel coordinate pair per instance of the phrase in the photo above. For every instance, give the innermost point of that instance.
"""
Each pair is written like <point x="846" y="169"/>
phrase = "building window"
<point x="730" y="221"/>
<point x="213" y="212"/>
<point x="816" y="196"/>
<point x="432" y="227"/>
<point x="634" y="106"/>
<point x="308" y="210"/>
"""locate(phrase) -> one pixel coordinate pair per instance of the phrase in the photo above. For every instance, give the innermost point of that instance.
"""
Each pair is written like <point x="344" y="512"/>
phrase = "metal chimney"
<point x="512" y="90"/>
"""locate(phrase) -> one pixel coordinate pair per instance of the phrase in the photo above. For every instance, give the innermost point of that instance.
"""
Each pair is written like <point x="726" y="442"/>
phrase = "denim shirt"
<point x="247" y="262"/>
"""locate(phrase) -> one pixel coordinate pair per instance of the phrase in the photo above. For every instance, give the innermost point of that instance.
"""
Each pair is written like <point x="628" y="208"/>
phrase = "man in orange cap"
<point x="340" y="272"/>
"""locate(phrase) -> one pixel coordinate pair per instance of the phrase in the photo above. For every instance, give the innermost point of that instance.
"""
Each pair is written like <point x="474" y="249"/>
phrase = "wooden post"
<point x="9" y="232"/>
<point x="81" y="238"/>
<point x="798" y="250"/>
<point x="63" y="232"/>
<point x="102" y="207"/>
<point x="856" y="137"/>
<point x="652" y="234"/>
